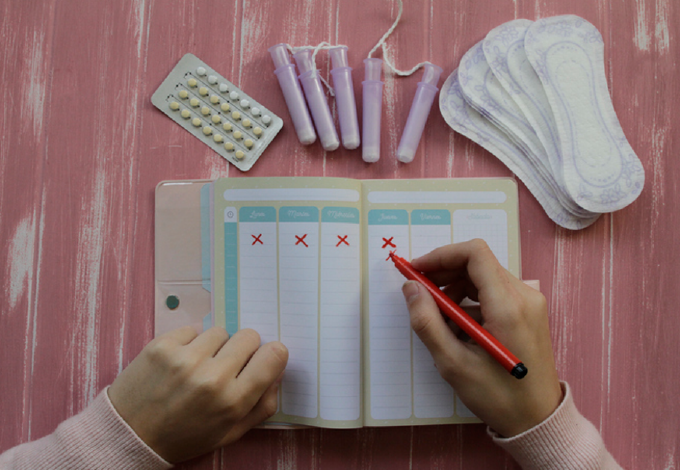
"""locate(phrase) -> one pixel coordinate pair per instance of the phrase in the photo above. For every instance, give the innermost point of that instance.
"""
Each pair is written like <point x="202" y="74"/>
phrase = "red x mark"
<point x="388" y="242"/>
<point x="257" y="239"/>
<point x="343" y="240"/>
<point x="301" y="240"/>
<point x="390" y="255"/>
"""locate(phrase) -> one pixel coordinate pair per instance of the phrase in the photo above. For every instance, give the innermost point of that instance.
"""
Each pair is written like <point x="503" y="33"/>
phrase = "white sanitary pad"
<point x="539" y="90"/>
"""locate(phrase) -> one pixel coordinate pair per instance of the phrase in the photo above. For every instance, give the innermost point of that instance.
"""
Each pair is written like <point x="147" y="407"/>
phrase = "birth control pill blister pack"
<point x="217" y="112"/>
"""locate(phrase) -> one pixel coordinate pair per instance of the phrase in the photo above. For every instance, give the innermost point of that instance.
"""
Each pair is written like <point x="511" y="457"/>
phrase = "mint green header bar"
<point x="345" y="215"/>
<point x="430" y="217"/>
<point x="298" y="214"/>
<point x="257" y="214"/>
<point x="388" y="217"/>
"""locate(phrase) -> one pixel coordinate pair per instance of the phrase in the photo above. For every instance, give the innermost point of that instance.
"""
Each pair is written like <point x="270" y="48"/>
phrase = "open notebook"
<point x="304" y="261"/>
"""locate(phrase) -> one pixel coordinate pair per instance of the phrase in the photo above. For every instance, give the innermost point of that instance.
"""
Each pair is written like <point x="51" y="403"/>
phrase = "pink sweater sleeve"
<point x="96" y="439"/>
<point x="565" y="440"/>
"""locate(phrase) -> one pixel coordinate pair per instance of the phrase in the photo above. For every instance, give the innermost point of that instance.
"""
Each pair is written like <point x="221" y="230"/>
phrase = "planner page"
<point x="287" y="263"/>
<point x="411" y="218"/>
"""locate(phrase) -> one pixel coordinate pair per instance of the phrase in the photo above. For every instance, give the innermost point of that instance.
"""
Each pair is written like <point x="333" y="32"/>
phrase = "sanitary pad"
<point x="535" y="95"/>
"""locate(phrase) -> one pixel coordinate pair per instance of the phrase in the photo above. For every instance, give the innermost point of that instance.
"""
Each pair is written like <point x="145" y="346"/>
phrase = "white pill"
<point x="205" y="110"/>
<point x="174" y="105"/>
<point x="238" y="135"/>
<point x="245" y="104"/>
<point x="224" y="87"/>
<point x="227" y="126"/>
<point x="201" y="71"/>
<point x="203" y="91"/>
<point x="214" y="99"/>
<point x="207" y="130"/>
<point x="257" y="131"/>
<point x="266" y="119"/>
<point x="228" y="146"/>
<point x="196" y="122"/>
<point x="194" y="102"/>
<point x="212" y="79"/>
<point x="192" y="82"/>
<point x="216" y="118"/>
<point x="247" y="123"/>
<point x="218" y="138"/>
<point x="239" y="154"/>
<point x="225" y="107"/>
<point x="248" y="143"/>
<point x="255" y="111"/>
<point x="233" y="95"/>
<point x="183" y="94"/>
<point x="186" y="113"/>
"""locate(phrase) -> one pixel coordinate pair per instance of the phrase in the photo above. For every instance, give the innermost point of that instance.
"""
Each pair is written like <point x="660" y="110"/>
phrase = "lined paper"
<point x="340" y="314"/>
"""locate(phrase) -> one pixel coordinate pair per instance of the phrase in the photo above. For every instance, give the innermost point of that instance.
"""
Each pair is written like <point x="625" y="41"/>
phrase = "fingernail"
<point x="410" y="291"/>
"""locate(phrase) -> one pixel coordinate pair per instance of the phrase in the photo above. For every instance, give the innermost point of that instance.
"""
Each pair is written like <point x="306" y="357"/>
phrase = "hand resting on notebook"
<point x="512" y="312"/>
<point x="188" y="394"/>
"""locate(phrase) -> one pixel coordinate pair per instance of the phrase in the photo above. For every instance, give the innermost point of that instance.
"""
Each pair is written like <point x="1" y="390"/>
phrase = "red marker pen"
<point x="463" y="320"/>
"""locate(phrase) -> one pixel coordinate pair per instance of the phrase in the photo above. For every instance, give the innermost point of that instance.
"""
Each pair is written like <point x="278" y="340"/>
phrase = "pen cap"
<point x="280" y="55"/>
<point x="344" y="98"/>
<point x="338" y="56"/>
<point x="372" y="88"/>
<point x="292" y="93"/>
<point x="417" y="116"/>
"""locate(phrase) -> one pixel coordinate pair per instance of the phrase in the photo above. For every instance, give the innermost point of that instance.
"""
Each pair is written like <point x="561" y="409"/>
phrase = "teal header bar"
<point x="430" y="217"/>
<point x="298" y="214"/>
<point x="257" y="214"/>
<point x="388" y="217"/>
<point x="344" y="215"/>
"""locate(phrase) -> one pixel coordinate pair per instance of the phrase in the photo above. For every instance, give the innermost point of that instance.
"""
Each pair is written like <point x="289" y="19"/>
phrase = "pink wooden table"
<point x="82" y="148"/>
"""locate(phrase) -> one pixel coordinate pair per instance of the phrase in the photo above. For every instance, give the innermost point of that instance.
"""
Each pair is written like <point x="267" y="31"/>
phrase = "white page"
<point x="258" y="278"/>
<point x="389" y="323"/>
<point x="340" y="315"/>
<point x="432" y="395"/>
<point x="299" y="308"/>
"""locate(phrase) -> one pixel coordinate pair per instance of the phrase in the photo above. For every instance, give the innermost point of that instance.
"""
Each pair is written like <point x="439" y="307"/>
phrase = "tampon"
<point x="372" y="88"/>
<point x="420" y="110"/>
<point x="344" y="97"/>
<point x="318" y="105"/>
<point x="285" y="72"/>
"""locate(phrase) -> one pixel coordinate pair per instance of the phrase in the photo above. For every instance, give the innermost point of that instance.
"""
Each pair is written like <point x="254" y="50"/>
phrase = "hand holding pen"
<point x="513" y="313"/>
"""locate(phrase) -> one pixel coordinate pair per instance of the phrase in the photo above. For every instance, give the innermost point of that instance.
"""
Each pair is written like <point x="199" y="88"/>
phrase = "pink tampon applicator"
<point x="372" y="88"/>
<point x="285" y="72"/>
<point x="420" y="110"/>
<point x="318" y="105"/>
<point x="344" y="97"/>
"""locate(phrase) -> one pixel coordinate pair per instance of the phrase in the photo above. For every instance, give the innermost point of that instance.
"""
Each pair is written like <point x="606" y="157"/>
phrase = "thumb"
<point x="428" y="323"/>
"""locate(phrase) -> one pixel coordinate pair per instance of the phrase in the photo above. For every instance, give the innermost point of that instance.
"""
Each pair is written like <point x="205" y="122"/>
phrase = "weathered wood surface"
<point x="82" y="148"/>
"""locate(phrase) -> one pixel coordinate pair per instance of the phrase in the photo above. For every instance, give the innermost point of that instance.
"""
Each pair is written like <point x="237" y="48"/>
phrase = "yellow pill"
<point x="238" y="135"/>
<point x="236" y="115"/>
<point x="186" y="113"/>
<point x="227" y="126"/>
<point x="194" y="102"/>
<point x="239" y="155"/>
<point x="218" y="138"/>
<point x="214" y="99"/>
<point x="196" y="122"/>
<point x="216" y="119"/>
<point x="229" y="146"/>
<point x="257" y="131"/>
<point x="174" y="105"/>
<point x="203" y="91"/>
<point x="247" y="123"/>
<point x="192" y="82"/>
<point x="205" y="110"/>
<point x="207" y="130"/>
<point x="183" y="94"/>
<point x="248" y="143"/>
<point x="225" y="107"/>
